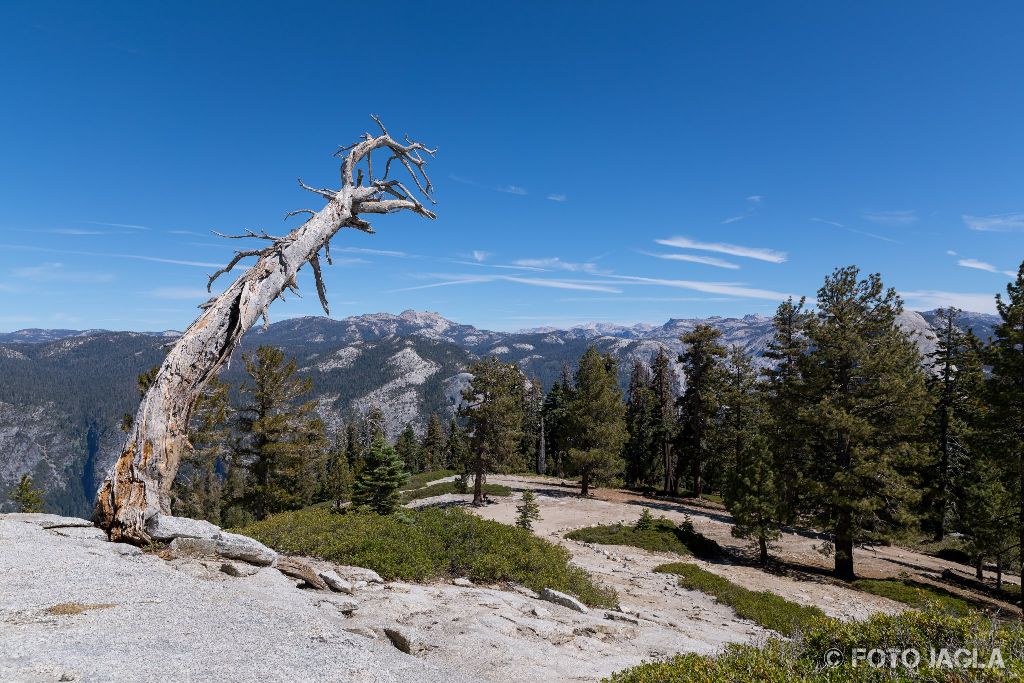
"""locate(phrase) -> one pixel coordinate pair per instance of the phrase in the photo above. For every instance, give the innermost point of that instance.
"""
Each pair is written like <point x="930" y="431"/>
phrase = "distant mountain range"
<point x="63" y="392"/>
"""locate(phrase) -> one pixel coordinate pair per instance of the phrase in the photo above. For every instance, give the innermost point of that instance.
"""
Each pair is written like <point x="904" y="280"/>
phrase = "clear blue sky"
<point x="634" y="161"/>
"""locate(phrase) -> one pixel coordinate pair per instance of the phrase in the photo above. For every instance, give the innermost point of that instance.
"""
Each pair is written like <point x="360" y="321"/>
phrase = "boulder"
<point x="562" y="599"/>
<point x="356" y="574"/>
<point x="228" y="546"/>
<point x="297" y="569"/>
<point x="239" y="570"/>
<point x="168" y="528"/>
<point x="464" y="583"/>
<point x="336" y="583"/>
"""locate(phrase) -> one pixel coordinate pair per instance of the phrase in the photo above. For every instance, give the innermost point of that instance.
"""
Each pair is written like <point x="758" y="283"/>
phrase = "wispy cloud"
<point x="734" y="289"/>
<point x="374" y="252"/>
<point x="982" y="265"/>
<point x="1007" y="222"/>
<point x="503" y="266"/>
<point x="694" y="258"/>
<point x="755" y="198"/>
<point x="187" y="232"/>
<point x="760" y="254"/>
<point x="511" y="189"/>
<point x="557" y="197"/>
<point x="556" y="263"/>
<point x="856" y="231"/>
<point x="891" y="218"/>
<point x="137" y="257"/>
<point x="118" y="225"/>
<point x="752" y="201"/>
<point x="449" y="280"/>
<point x="927" y="299"/>
<point x="56" y="272"/>
<point x="480" y="256"/>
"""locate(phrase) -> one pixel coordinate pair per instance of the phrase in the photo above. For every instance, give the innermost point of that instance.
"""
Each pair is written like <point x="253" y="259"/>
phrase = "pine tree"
<point x="663" y="381"/>
<point x="698" y="406"/>
<point x="598" y="420"/>
<point x="493" y="408"/>
<point x="353" y="446"/>
<point x="867" y="405"/>
<point x="956" y="384"/>
<point x="533" y="406"/>
<point x="408" y="449"/>
<point x="456" y="449"/>
<point x="26" y="497"/>
<point x="379" y="482"/>
<point x="751" y="494"/>
<point x="528" y="511"/>
<point x="198" y="489"/>
<point x="785" y="432"/>
<point x="433" y="447"/>
<point x="338" y="479"/>
<point x="641" y="448"/>
<point x="281" y="443"/>
<point x="1006" y="356"/>
<point x="556" y="422"/>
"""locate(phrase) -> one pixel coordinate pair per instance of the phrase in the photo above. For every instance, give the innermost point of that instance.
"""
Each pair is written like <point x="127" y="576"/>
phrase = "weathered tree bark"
<point x="138" y="486"/>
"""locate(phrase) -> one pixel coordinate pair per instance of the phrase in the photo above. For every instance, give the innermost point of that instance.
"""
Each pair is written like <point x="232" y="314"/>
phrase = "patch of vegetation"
<point x="424" y="545"/>
<point x="658" y="535"/>
<point x="423" y="478"/>
<point x="915" y="594"/>
<point x="444" y="487"/>
<point x="763" y="608"/>
<point x="803" y="659"/>
<point x="72" y="608"/>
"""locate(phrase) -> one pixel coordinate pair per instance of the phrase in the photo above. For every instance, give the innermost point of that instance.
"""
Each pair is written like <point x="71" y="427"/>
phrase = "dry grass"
<point x="70" y="608"/>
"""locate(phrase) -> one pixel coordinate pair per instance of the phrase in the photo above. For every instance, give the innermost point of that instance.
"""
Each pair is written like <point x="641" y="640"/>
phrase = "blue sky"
<point x="598" y="161"/>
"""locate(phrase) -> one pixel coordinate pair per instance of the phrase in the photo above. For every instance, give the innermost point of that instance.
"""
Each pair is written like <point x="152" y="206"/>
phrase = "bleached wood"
<point x="138" y="485"/>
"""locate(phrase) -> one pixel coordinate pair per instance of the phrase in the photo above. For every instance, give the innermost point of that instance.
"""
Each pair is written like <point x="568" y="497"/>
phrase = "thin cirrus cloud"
<point x="118" y="225"/>
<point x="757" y="253"/>
<point x="557" y="197"/>
<point x="1007" y="222"/>
<point x="855" y="231"/>
<point x="450" y="280"/>
<point x="982" y="265"/>
<point x="179" y="293"/>
<point x="733" y="289"/>
<point x="891" y="218"/>
<point x="57" y="272"/>
<point x="927" y="299"/>
<point x="555" y="263"/>
<point x="511" y="189"/>
<point x="694" y="258"/>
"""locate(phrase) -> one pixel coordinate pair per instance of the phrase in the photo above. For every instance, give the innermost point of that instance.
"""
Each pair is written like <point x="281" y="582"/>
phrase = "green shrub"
<point x="443" y="487"/>
<point x="423" y="545"/>
<point x="661" y="536"/>
<point x="423" y="478"/>
<point x="764" y="608"/>
<point x="803" y="659"/>
<point x="915" y="594"/>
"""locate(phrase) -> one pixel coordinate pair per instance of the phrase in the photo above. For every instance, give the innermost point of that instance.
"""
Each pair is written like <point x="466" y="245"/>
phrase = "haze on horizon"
<point x="674" y="162"/>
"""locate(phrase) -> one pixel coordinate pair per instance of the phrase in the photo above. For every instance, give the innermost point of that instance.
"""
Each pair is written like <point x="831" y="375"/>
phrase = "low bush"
<point x="807" y="659"/>
<point x="763" y="608"/>
<point x="443" y="487"/>
<point x="659" y="535"/>
<point x="915" y="594"/>
<point x="423" y="545"/>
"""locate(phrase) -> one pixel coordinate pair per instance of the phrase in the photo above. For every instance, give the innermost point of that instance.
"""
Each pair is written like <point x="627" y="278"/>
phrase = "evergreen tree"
<point x="493" y="408"/>
<point x="786" y="435"/>
<point x="1006" y="357"/>
<point x="698" y="406"/>
<point x="556" y="422"/>
<point x="281" y="443"/>
<point x="197" y="491"/>
<point x="338" y="479"/>
<point x="353" y="447"/>
<point x="868" y="402"/>
<point x="751" y="494"/>
<point x="379" y="482"/>
<point x="456" y="449"/>
<point x="956" y="384"/>
<point x="663" y="380"/>
<point x="528" y="511"/>
<point x="373" y="425"/>
<point x="26" y="497"/>
<point x="533" y="407"/>
<point x="433" y="447"/>
<point x="641" y="448"/>
<point x="408" y="449"/>
<point x="598" y="420"/>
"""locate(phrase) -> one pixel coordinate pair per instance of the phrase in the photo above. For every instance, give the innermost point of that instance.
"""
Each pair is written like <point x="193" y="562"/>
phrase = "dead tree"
<point x="138" y="485"/>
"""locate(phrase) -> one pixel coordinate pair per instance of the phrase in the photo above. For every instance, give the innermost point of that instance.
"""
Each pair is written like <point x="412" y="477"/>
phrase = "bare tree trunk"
<point x="138" y="486"/>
